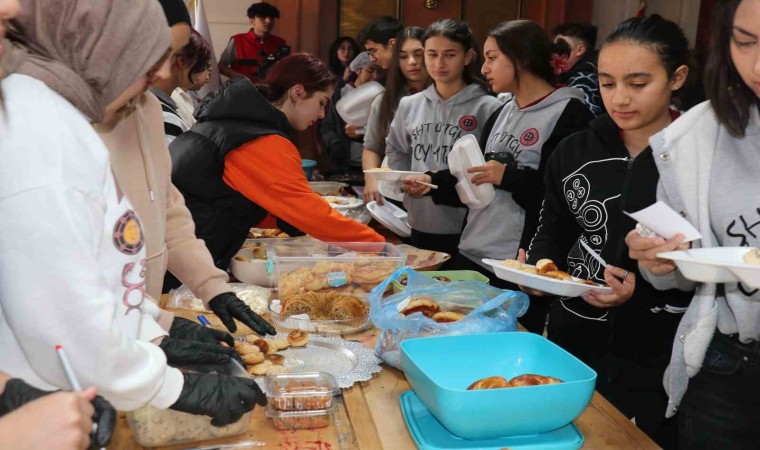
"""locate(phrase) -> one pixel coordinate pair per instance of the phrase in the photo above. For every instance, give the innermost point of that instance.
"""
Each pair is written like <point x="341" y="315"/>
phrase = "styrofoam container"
<point x="354" y="106"/>
<point x="716" y="265"/>
<point x="466" y="153"/>
<point x="253" y="271"/>
<point x="440" y="369"/>
<point x="392" y="217"/>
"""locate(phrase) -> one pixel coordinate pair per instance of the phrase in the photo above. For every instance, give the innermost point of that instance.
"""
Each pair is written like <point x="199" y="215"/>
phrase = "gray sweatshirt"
<point x="522" y="134"/>
<point x="420" y="137"/>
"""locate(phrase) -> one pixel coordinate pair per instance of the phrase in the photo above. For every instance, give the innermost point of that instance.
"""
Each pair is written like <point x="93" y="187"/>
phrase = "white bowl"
<point x="254" y="271"/>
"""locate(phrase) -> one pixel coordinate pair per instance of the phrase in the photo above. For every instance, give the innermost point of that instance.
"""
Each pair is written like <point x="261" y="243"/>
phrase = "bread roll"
<point x="425" y="306"/>
<point x="298" y="338"/>
<point x="545" y="265"/>
<point x="496" y="382"/>
<point x="447" y="316"/>
<point x="532" y="380"/>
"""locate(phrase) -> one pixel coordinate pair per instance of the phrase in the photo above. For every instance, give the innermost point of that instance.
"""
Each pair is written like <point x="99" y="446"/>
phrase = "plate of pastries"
<point x="545" y="277"/>
<point x="325" y="313"/>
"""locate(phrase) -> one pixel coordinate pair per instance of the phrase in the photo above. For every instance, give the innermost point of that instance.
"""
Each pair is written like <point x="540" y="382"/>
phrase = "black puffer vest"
<point x="234" y="116"/>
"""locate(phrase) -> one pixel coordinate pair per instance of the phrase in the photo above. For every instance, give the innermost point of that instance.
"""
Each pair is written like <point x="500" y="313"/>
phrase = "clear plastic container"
<point x="347" y="267"/>
<point x="153" y="427"/>
<point x="300" y="420"/>
<point x="308" y="391"/>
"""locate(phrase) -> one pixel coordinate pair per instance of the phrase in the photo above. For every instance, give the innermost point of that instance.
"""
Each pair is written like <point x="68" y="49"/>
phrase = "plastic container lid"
<point x="466" y="153"/>
<point x="299" y="420"/>
<point x="392" y="217"/>
<point x="354" y="106"/>
<point x="305" y="391"/>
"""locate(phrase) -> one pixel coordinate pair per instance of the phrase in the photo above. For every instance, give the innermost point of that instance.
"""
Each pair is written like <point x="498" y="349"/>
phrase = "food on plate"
<point x="276" y="359"/>
<point x="281" y="344"/>
<point x="530" y="379"/>
<point x="546" y="268"/>
<point x="352" y="276"/>
<point x="258" y="233"/>
<point x="447" y="316"/>
<point x="298" y="338"/>
<point x="273" y="369"/>
<point x="262" y="345"/>
<point x="752" y="257"/>
<point x="294" y="421"/>
<point x="244" y="348"/>
<point x="496" y="382"/>
<point x="379" y="169"/>
<point x="252" y="358"/>
<point x="427" y="306"/>
<point x="260" y="368"/>
<point x="417" y="258"/>
<point x="319" y="306"/>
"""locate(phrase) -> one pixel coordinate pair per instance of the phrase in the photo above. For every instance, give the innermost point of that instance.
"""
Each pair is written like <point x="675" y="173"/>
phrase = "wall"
<point x="608" y="13"/>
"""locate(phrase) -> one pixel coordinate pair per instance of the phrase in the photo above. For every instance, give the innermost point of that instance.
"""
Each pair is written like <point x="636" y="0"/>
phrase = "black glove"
<point x="188" y="330"/>
<point x="17" y="393"/>
<point x="225" y="399"/>
<point x="227" y="305"/>
<point x="183" y="353"/>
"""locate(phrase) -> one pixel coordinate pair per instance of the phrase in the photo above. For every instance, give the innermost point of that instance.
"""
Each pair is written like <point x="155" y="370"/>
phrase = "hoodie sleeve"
<point x="526" y="184"/>
<point x="398" y="144"/>
<point x="268" y="172"/>
<point x="374" y="140"/>
<point x="446" y="194"/>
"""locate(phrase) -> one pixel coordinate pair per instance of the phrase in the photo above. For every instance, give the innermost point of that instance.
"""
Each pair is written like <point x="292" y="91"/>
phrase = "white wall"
<point x="225" y="18"/>
<point x="608" y="13"/>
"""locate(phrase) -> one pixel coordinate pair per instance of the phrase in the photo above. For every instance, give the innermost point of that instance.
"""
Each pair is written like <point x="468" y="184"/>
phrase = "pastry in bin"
<point x="496" y="382"/>
<point x="533" y="380"/>
<point x="427" y="306"/>
<point x="447" y="316"/>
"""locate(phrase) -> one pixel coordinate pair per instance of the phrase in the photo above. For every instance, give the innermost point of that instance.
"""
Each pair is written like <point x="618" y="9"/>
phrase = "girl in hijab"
<point x="73" y="249"/>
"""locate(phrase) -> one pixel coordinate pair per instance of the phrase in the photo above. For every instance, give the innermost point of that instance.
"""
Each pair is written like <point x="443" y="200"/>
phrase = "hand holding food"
<point x="492" y="172"/>
<point x="622" y="283"/>
<point x="645" y="250"/>
<point x="228" y="306"/>
<point x="225" y="399"/>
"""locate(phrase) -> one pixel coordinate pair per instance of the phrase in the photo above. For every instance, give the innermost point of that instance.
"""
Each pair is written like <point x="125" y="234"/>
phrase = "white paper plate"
<point x="343" y="202"/>
<point x="391" y="216"/>
<point x="541" y="283"/>
<point x="715" y="265"/>
<point x="391" y="175"/>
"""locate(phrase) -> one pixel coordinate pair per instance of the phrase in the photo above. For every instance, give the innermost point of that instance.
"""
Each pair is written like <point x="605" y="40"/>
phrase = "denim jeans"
<point x="721" y="408"/>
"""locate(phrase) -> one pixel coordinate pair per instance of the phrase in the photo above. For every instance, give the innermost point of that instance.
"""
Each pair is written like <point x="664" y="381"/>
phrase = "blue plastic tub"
<point x="308" y="166"/>
<point x="439" y="369"/>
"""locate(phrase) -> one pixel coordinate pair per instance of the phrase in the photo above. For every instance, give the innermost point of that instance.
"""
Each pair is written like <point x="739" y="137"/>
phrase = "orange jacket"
<point x="268" y="172"/>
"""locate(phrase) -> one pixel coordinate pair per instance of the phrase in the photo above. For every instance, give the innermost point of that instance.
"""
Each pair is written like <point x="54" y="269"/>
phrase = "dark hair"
<point x="197" y="53"/>
<point x="731" y="99"/>
<point x="380" y="30"/>
<point x="336" y="66"/>
<point x="458" y="31"/>
<point x="527" y="46"/>
<point x="583" y="31"/>
<point x="263" y="9"/>
<point x="664" y="37"/>
<point x="394" y="84"/>
<point x="300" y="68"/>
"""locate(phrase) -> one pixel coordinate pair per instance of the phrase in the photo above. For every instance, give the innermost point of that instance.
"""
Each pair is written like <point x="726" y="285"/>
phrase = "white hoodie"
<point x="71" y="258"/>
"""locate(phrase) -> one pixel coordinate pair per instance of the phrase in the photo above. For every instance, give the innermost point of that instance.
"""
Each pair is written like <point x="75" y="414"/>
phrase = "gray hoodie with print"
<point x="420" y="138"/>
<point x="523" y="135"/>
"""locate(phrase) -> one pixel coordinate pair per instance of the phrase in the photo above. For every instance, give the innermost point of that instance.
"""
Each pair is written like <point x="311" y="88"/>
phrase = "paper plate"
<point x="391" y="216"/>
<point x="391" y="175"/>
<point x="716" y="265"/>
<point x="545" y="284"/>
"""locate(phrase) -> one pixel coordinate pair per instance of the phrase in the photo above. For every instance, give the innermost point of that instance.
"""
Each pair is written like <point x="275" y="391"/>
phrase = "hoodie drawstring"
<point x="147" y="161"/>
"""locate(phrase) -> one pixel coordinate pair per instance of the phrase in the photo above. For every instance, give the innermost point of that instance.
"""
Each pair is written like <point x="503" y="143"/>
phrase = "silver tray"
<point x="347" y="361"/>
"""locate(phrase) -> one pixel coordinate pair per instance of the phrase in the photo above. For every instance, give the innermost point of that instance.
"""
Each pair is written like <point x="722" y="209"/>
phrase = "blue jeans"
<point x="721" y="408"/>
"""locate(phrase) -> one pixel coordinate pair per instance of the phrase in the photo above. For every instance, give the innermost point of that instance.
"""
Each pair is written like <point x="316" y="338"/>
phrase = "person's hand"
<point x="351" y="131"/>
<point x="415" y="189"/>
<point x="529" y="291"/>
<point x="225" y="399"/>
<point x="622" y="283"/>
<point x="492" y="173"/>
<point x="188" y="330"/>
<point x="347" y="73"/>
<point x="61" y="420"/>
<point x="227" y="306"/>
<point x="645" y="250"/>
<point x="370" y="190"/>
<point x="182" y="353"/>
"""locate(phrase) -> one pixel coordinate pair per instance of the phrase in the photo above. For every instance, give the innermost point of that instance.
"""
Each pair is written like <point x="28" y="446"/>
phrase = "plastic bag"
<point x="256" y="297"/>
<point x="486" y="308"/>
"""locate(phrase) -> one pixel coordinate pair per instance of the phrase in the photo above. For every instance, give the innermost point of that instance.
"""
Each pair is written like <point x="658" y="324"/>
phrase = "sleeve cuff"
<point x="170" y="389"/>
<point x="509" y="181"/>
<point x="150" y="329"/>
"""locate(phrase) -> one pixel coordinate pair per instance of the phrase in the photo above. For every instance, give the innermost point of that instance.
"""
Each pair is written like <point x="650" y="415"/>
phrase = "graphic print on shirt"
<point x="468" y="123"/>
<point x="128" y="234"/>
<point x="427" y="138"/>
<point x="746" y="229"/>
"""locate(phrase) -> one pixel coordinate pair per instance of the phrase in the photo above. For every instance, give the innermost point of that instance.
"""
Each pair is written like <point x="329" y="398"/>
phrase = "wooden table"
<point x="369" y="418"/>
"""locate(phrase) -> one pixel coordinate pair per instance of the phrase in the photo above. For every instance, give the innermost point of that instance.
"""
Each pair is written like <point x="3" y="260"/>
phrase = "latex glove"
<point x="188" y="330"/>
<point x="17" y="393"/>
<point x="183" y="353"/>
<point x="227" y="306"/>
<point x="225" y="399"/>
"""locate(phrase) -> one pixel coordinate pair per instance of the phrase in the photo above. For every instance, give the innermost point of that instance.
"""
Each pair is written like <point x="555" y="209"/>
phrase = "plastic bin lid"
<point x="466" y="153"/>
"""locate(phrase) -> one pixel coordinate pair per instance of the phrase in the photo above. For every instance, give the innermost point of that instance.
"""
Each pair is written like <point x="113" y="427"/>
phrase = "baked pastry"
<point x="529" y="269"/>
<point x="426" y="306"/>
<point x="273" y="369"/>
<point x="276" y="359"/>
<point x="447" y="316"/>
<point x="546" y="265"/>
<point x="244" y="348"/>
<point x="259" y="369"/>
<point x="372" y="271"/>
<point x="496" y="382"/>
<point x="557" y="275"/>
<point x="513" y="264"/>
<point x="281" y="344"/>
<point x="262" y="345"/>
<point x="347" y="307"/>
<point x="530" y="379"/>
<point x="252" y="358"/>
<point x="751" y="257"/>
<point x="298" y="338"/>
